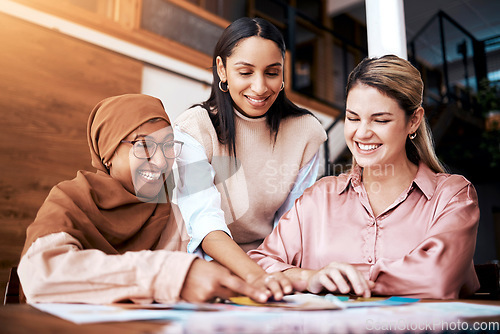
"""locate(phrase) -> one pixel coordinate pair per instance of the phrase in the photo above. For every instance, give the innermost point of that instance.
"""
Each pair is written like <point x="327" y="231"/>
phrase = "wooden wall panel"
<point x="49" y="83"/>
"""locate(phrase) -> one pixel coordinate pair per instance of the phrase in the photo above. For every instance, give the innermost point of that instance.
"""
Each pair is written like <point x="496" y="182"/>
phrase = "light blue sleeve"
<point x="306" y="178"/>
<point x="195" y="193"/>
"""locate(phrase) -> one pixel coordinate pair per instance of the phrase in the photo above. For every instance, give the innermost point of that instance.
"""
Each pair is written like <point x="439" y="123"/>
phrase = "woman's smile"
<point x="368" y="147"/>
<point x="150" y="175"/>
<point x="257" y="101"/>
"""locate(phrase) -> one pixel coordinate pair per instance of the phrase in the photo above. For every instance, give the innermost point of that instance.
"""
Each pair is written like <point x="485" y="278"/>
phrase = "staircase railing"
<point x="460" y="73"/>
<point x="462" y="65"/>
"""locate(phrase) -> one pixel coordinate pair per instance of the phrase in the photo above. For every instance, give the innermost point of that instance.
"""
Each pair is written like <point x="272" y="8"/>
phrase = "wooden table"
<point x="23" y="318"/>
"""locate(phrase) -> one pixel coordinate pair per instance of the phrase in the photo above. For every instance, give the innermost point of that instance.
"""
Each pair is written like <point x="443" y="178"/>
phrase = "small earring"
<point x="282" y="85"/>
<point x="107" y="164"/>
<point x="412" y="136"/>
<point x="220" y="87"/>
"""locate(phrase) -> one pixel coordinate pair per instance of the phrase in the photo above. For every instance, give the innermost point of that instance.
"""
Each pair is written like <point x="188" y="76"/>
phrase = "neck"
<point x="241" y="112"/>
<point x="402" y="173"/>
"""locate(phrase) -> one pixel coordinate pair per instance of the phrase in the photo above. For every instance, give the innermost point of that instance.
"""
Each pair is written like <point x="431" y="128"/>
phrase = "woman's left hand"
<point x="276" y="284"/>
<point x="340" y="277"/>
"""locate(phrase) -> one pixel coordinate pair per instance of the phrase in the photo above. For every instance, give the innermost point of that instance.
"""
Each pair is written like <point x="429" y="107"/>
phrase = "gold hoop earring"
<point x="220" y="87"/>
<point x="282" y="85"/>
<point x="412" y="136"/>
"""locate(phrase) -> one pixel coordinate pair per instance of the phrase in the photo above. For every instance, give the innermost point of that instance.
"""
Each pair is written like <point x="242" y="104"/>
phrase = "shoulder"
<point x="305" y="125"/>
<point x="328" y="186"/>
<point x="196" y="116"/>
<point x="453" y="180"/>
<point x="443" y="187"/>
<point x="87" y="187"/>
<point x="303" y="134"/>
<point x="197" y="123"/>
<point x="74" y="185"/>
<point x="455" y="187"/>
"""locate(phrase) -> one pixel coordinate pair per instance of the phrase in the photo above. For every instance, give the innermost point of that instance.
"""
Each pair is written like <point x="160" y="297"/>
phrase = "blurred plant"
<point x="491" y="145"/>
<point x="488" y="97"/>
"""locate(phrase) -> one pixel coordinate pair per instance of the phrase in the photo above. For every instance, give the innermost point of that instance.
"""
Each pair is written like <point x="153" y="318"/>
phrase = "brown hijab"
<point x="95" y="208"/>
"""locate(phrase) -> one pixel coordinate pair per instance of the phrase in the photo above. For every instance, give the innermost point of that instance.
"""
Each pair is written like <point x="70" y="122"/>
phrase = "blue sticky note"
<point x="391" y="301"/>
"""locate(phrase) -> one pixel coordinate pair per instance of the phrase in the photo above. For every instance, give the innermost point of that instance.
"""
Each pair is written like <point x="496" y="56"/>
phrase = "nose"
<point x="158" y="159"/>
<point x="363" y="130"/>
<point x="259" y="84"/>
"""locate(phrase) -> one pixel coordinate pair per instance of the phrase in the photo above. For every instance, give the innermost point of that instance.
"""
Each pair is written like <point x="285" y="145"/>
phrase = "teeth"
<point x="254" y="100"/>
<point x="367" y="147"/>
<point x="150" y="175"/>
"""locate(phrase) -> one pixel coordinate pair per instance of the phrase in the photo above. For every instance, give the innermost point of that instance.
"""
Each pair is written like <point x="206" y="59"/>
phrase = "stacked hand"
<point x="339" y="277"/>
<point x="276" y="285"/>
<point x="206" y="281"/>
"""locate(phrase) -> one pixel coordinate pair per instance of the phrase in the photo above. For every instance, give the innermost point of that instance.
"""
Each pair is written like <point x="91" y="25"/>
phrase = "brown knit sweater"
<point x="265" y="171"/>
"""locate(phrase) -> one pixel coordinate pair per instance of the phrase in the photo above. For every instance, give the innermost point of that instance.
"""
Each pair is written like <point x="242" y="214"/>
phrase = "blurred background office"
<point x="59" y="58"/>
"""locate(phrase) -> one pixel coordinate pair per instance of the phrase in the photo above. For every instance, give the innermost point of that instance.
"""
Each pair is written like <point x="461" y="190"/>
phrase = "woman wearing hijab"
<point x="112" y="235"/>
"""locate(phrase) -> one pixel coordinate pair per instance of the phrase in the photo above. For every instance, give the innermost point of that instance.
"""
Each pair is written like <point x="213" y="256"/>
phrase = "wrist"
<point x="307" y="274"/>
<point x="253" y="274"/>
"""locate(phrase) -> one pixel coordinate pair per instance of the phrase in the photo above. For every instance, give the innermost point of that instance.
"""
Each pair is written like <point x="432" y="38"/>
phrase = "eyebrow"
<point x="244" y="63"/>
<point x="372" y="115"/>
<point x="142" y="136"/>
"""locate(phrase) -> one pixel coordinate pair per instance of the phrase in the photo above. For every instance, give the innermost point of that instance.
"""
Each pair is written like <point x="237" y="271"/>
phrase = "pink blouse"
<point x="421" y="246"/>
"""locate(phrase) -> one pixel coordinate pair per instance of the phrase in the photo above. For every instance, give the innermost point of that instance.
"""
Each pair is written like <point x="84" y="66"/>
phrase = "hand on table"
<point x="340" y="277"/>
<point x="206" y="281"/>
<point x="276" y="284"/>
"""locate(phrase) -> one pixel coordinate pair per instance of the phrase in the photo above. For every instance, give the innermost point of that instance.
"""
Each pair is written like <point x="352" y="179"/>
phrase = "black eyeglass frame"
<point x="155" y="147"/>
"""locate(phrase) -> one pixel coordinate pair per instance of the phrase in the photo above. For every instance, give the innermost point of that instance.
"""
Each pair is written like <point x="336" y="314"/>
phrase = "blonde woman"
<point x="396" y="224"/>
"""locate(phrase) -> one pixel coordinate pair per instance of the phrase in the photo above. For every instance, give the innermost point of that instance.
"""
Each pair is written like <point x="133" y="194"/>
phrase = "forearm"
<point x="56" y="269"/>
<point x="226" y="251"/>
<point x="439" y="275"/>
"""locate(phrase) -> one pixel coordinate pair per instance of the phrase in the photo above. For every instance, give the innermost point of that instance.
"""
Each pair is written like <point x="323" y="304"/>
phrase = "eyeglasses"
<point x="146" y="149"/>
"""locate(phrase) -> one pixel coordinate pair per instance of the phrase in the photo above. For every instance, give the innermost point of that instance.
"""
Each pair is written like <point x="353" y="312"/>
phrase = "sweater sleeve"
<point x="56" y="269"/>
<point x="307" y="177"/>
<point x="316" y="137"/>
<point x="198" y="199"/>
<point x="440" y="266"/>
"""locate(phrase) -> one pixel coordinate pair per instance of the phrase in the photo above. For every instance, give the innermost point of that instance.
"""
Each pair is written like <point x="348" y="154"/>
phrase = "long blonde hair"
<point x="401" y="81"/>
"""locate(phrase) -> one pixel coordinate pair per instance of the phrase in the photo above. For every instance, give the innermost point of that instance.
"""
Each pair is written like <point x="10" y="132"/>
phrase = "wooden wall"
<point x="49" y="83"/>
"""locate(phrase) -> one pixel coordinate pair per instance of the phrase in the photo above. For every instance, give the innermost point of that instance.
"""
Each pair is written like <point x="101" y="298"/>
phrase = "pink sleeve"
<point x="56" y="269"/>
<point x="441" y="265"/>
<point x="282" y="249"/>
